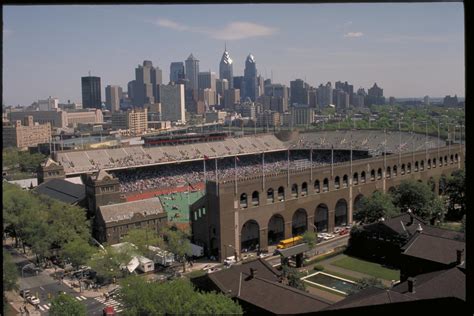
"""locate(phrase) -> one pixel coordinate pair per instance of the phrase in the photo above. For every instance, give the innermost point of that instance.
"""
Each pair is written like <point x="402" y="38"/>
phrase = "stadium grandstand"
<point x="146" y="169"/>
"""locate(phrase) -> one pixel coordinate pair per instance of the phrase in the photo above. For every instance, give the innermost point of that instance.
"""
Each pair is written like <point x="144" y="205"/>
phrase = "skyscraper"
<point x="91" y="92"/>
<point x="113" y="94"/>
<point x="207" y="80"/>
<point x="226" y="68"/>
<point x="192" y="72"/>
<point x="375" y="95"/>
<point x="250" y="78"/>
<point x="177" y="71"/>
<point x="172" y="102"/>
<point x="298" y="92"/>
<point x="324" y="95"/>
<point x="146" y="80"/>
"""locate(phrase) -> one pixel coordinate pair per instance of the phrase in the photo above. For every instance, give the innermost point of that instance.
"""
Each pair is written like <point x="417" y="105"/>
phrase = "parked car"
<point x="24" y="293"/>
<point x="344" y="232"/>
<point x="33" y="300"/>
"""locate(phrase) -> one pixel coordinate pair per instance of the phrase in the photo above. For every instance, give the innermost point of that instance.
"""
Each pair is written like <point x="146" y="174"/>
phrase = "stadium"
<point x="252" y="191"/>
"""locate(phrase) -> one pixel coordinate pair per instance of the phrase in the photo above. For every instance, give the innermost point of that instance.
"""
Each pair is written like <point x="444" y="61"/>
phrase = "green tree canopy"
<point x="65" y="304"/>
<point x="414" y="195"/>
<point x="292" y="277"/>
<point x="310" y="238"/>
<point x="456" y="192"/>
<point x="177" y="297"/>
<point x="10" y="272"/>
<point x="109" y="263"/>
<point x="178" y="243"/>
<point x="78" y="251"/>
<point x="375" y="207"/>
<point x="144" y="237"/>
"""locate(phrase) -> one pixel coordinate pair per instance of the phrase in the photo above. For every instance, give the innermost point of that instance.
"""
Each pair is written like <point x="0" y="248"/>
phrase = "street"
<point x="45" y="287"/>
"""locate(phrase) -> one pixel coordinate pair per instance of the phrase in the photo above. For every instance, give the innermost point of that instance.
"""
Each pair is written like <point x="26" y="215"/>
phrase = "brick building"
<point x="27" y="135"/>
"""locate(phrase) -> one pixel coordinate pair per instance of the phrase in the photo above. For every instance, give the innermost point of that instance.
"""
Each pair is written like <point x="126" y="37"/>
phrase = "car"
<point x="24" y="293"/>
<point x="33" y="300"/>
<point x="344" y="232"/>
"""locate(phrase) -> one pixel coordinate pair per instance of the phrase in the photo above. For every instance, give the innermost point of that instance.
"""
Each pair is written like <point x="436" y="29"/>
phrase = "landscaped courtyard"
<point x="370" y="268"/>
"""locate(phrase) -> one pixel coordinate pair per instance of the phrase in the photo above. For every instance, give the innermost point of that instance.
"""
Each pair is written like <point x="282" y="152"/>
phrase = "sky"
<point x="408" y="49"/>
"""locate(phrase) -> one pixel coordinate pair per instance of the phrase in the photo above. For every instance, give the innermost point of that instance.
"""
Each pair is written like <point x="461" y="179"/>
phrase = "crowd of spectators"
<point x="147" y="178"/>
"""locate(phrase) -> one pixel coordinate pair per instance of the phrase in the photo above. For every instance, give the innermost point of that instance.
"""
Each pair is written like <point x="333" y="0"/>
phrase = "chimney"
<point x="411" y="285"/>
<point x="253" y="272"/>
<point x="459" y="256"/>
<point x="411" y="217"/>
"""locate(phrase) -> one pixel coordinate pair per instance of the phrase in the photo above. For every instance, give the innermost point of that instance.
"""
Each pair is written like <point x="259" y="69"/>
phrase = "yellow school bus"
<point x="293" y="241"/>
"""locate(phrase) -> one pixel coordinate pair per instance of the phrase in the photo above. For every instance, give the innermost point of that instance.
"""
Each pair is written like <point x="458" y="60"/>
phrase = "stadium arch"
<point x="341" y="213"/>
<point x="250" y="235"/>
<point x="299" y="222"/>
<point x="321" y="218"/>
<point x="276" y="229"/>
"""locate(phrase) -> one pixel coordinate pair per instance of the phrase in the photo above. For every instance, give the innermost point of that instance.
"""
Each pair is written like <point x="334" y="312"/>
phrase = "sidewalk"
<point x="17" y="302"/>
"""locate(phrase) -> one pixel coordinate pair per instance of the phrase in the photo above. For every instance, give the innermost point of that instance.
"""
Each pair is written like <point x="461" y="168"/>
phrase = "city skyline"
<point x="313" y="42"/>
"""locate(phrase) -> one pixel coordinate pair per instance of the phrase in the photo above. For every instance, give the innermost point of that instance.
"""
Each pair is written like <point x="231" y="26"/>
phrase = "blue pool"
<point x="332" y="282"/>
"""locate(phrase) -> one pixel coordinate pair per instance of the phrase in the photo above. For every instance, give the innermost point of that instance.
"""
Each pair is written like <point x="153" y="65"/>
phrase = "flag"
<point x="237" y="158"/>
<point x="206" y="157"/>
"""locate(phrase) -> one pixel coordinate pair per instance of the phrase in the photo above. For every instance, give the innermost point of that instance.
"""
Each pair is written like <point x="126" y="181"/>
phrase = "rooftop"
<point x="62" y="190"/>
<point x="126" y="211"/>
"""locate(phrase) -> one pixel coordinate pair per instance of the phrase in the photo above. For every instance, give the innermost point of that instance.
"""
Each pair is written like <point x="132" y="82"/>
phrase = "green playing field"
<point x="177" y="205"/>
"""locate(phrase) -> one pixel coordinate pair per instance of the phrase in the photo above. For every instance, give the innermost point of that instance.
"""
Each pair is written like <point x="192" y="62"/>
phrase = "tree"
<point x="292" y="277"/>
<point x="78" y="251"/>
<point x="10" y="272"/>
<point x="375" y="207"/>
<point x="456" y="191"/>
<point x="65" y="304"/>
<point x="414" y="195"/>
<point x="310" y="238"/>
<point x="108" y="263"/>
<point x="142" y="238"/>
<point x="178" y="243"/>
<point x="176" y="297"/>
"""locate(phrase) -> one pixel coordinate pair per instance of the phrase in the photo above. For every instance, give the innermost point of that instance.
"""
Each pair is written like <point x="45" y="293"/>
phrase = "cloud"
<point x="171" y="25"/>
<point x="353" y="34"/>
<point x="232" y="31"/>
<point x="241" y="30"/>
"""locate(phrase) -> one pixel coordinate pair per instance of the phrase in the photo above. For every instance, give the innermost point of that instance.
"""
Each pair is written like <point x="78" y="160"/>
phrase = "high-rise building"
<point x="426" y="100"/>
<point x="135" y="120"/>
<point x="172" y="100"/>
<point x="250" y="78"/>
<point x="348" y="88"/>
<point x="303" y="115"/>
<point x="91" y="92"/>
<point x="324" y="95"/>
<point x="131" y="89"/>
<point x="49" y="104"/>
<point x="27" y="135"/>
<point x="231" y="97"/>
<point x="147" y="78"/>
<point x="279" y="92"/>
<point x="207" y="80"/>
<point x="298" y="92"/>
<point x="375" y="95"/>
<point x="341" y="99"/>
<point x="239" y="82"/>
<point x="221" y="86"/>
<point x="113" y="94"/>
<point x="226" y="68"/>
<point x="312" y="97"/>
<point x="177" y="71"/>
<point x="192" y="72"/>
<point x="208" y="96"/>
<point x="450" y="101"/>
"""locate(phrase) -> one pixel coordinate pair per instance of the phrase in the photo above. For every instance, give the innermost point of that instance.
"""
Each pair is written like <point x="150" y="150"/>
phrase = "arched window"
<point x="394" y="170"/>
<point x="336" y="183"/>
<point x="270" y="196"/>
<point x="304" y="189"/>
<point x="409" y="167"/>
<point x="388" y="172"/>
<point x="325" y="185"/>
<point x="402" y="170"/>
<point x="355" y="179"/>
<point x="441" y="161"/>
<point x="416" y="166"/>
<point x="243" y="200"/>
<point x="456" y="158"/>
<point x="294" y="190"/>
<point x="255" y="198"/>
<point x="281" y="194"/>
<point x="362" y="177"/>
<point x="433" y="163"/>
<point x="345" y="181"/>
<point x="429" y="164"/>
<point x="445" y="160"/>
<point x="422" y="165"/>
<point x="372" y="175"/>
<point x="451" y="159"/>
<point x="379" y="174"/>
<point x="316" y="186"/>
